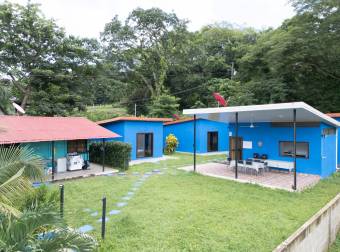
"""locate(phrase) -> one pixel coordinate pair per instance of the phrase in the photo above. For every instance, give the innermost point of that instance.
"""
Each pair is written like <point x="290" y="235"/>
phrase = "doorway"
<point x="232" y="147"/>
<point x="144" y="145"/>
<point x="212" y="141"/>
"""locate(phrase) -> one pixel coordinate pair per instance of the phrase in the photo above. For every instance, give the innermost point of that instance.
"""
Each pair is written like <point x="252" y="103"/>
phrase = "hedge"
<point x="117" y="154"/>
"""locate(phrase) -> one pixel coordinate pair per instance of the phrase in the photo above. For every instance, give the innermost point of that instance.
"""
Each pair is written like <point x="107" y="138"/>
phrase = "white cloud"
<point x="86" y="18"/>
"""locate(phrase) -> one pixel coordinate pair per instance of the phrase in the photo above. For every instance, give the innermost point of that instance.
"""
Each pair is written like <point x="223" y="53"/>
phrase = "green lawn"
<point x="181" y="211"/>
<point x="102" y="112"/>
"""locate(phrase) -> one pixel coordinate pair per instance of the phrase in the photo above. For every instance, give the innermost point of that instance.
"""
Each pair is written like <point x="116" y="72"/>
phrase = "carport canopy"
<point x="279" y="112"/>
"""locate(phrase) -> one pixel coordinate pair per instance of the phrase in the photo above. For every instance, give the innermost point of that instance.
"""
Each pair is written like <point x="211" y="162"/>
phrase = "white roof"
<point x="279" y="112"/>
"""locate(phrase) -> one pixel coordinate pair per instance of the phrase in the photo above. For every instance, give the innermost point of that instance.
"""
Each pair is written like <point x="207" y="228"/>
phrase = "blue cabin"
<point x="265" y="133"/>
<point x="212" y="136"/>
<point x="336" y="116"/>
<point x="144" y="134"/>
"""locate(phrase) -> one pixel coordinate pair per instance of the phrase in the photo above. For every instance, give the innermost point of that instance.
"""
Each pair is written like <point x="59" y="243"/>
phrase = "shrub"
<point x="171" y="144"/>
<point x="117" y="154"/>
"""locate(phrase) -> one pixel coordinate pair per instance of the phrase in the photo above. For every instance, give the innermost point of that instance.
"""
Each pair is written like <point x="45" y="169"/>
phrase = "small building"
<point x="285" y="136"/>
<point x="62" y="142"/>
<point x="336" y="116"/>
<point x="144" y="134"/>
<point x="212" y="136"/>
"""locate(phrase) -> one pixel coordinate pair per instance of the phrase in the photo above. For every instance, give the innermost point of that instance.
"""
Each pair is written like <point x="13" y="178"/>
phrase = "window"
<point x="79" y="146"/>
<point x="287" y="149"/>
<point x="328" y="131"/>
<point x="144" y="145"/>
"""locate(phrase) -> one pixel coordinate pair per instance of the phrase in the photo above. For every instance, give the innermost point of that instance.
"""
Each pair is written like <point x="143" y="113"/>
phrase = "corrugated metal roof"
<point x="23" y="129"/>
<point x="180" y="121"/>
<point x="334" y="115"/>
<point x="133" y="118"/>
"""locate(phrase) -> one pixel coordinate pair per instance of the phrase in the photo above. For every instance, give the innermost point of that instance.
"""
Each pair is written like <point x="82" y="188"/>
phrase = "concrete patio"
<point x="270" y="179"/>
<point x="94" y="170"/>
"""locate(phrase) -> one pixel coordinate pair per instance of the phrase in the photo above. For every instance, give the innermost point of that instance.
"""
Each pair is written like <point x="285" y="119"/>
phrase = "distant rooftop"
<point x="334" y="115"/>
<point x="133" y="118"/>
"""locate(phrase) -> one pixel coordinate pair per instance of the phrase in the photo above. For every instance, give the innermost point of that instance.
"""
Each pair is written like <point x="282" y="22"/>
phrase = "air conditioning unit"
<point x="74" y="162"/>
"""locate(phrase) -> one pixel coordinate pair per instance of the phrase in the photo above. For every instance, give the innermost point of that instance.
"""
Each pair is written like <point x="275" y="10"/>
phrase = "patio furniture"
<point x="282" y="165"/>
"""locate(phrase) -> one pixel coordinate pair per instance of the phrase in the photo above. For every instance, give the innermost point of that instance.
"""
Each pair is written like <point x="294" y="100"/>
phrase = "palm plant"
<point x="39" y="226"/>
<point x="18" y="166"/>
<point x="41" y="229"/>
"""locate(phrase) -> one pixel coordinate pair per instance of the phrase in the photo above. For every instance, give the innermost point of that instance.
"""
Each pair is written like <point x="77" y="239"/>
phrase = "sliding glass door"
<point x="144" y="145"/>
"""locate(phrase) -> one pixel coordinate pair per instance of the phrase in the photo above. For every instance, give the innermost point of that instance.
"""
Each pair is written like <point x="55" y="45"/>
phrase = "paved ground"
<point x="94" y="170"/>
<point x="272" y="179"/>
<point x="150" y="160"/>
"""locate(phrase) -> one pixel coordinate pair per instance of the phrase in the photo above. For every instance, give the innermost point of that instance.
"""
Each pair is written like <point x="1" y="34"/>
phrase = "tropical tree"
<point x="38" y="227"/>
<point x="18" y="166"/>
<point x="164" y="106"/>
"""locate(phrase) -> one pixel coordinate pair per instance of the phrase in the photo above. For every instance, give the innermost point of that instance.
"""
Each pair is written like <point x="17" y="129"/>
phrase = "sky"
<point x="87" y="18"/>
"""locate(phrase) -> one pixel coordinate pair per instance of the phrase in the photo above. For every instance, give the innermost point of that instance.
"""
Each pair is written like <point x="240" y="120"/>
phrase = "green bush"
<point x="117" y="154"/>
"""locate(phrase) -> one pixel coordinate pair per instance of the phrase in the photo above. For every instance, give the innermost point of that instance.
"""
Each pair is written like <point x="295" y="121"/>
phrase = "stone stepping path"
<point x="126" y="198"/>
<point x="85" y="228"/>
<point x="94" y="214"/>
<point x="114" y="212"/>
<point x="100" y="220"/>
<point x="136" y="185"/>
<point x="121" y="204"/>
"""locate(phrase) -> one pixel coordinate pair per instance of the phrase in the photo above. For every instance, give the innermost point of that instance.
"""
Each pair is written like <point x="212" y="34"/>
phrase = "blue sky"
<point x="86" y="18"/>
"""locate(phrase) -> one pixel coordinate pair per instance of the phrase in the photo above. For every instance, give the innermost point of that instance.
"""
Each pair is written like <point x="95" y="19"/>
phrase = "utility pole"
<point x="232" y="70"/>
<point x="135" y="109"/>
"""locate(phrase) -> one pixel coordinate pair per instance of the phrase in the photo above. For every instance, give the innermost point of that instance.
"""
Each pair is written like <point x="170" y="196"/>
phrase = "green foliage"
<point x="18" y="167"/>
<point x="101" y="112"/>
<point x="117" y="154"/>
<point x="164" y="105"/>
<point x="41" y="195"/>
<point x="172" y="143"/>
<point x="41" y="229"/>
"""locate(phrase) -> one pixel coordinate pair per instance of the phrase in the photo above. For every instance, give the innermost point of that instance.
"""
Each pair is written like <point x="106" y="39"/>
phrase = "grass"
<point x="183" y="211"/>
<point x="336" y="245"/>
<point x="102" y="112"/>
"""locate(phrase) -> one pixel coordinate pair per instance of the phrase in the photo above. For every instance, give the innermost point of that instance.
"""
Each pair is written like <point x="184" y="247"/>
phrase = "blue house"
<point x="62" y="142"/>
<point x="144" y="134"/>
<point x="266" y="133"/>
<point x="212" y="136"/>
<point x="336" y="116"/>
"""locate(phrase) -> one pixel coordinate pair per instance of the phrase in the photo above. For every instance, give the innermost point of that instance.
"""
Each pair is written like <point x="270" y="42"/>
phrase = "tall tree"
<point x="40" y="61"/>
<point x="143" y="47"/>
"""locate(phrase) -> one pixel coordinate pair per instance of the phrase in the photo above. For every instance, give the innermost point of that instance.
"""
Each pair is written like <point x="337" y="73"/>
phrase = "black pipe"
<point x="294" y="126"/>
<point x="53" y="168"/>
<point x="62" y="199"/>
<point x="236" y="145"/>
<point x="103" y="217"/>
<point x="194" y="142"/>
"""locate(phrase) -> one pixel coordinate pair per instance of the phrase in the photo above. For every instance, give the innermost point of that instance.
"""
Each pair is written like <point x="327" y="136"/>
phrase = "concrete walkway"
<point x="271" y="179"/>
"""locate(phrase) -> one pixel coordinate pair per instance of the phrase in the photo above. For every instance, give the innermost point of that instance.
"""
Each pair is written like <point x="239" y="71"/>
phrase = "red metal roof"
<point x="24" y="129"/>
<point x="333" y="114"/>
<point x="180" y="121"/>
<point x="133" y="118"/>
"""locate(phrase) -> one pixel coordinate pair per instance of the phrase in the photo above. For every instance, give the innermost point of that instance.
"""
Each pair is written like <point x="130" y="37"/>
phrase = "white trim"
<point x="336" y="147"/>
<point x="266" y="107"/>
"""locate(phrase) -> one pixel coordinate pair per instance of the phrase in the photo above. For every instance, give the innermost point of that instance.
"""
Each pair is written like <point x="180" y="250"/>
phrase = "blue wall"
<point x="184" y="132"/>
<point x="44" y="150"/>
<point x="128" y="131"/>
<point x="271" y="136"/>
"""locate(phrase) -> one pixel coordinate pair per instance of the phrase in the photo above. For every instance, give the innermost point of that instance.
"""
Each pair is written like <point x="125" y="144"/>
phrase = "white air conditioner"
<point x="74" y="163"/>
